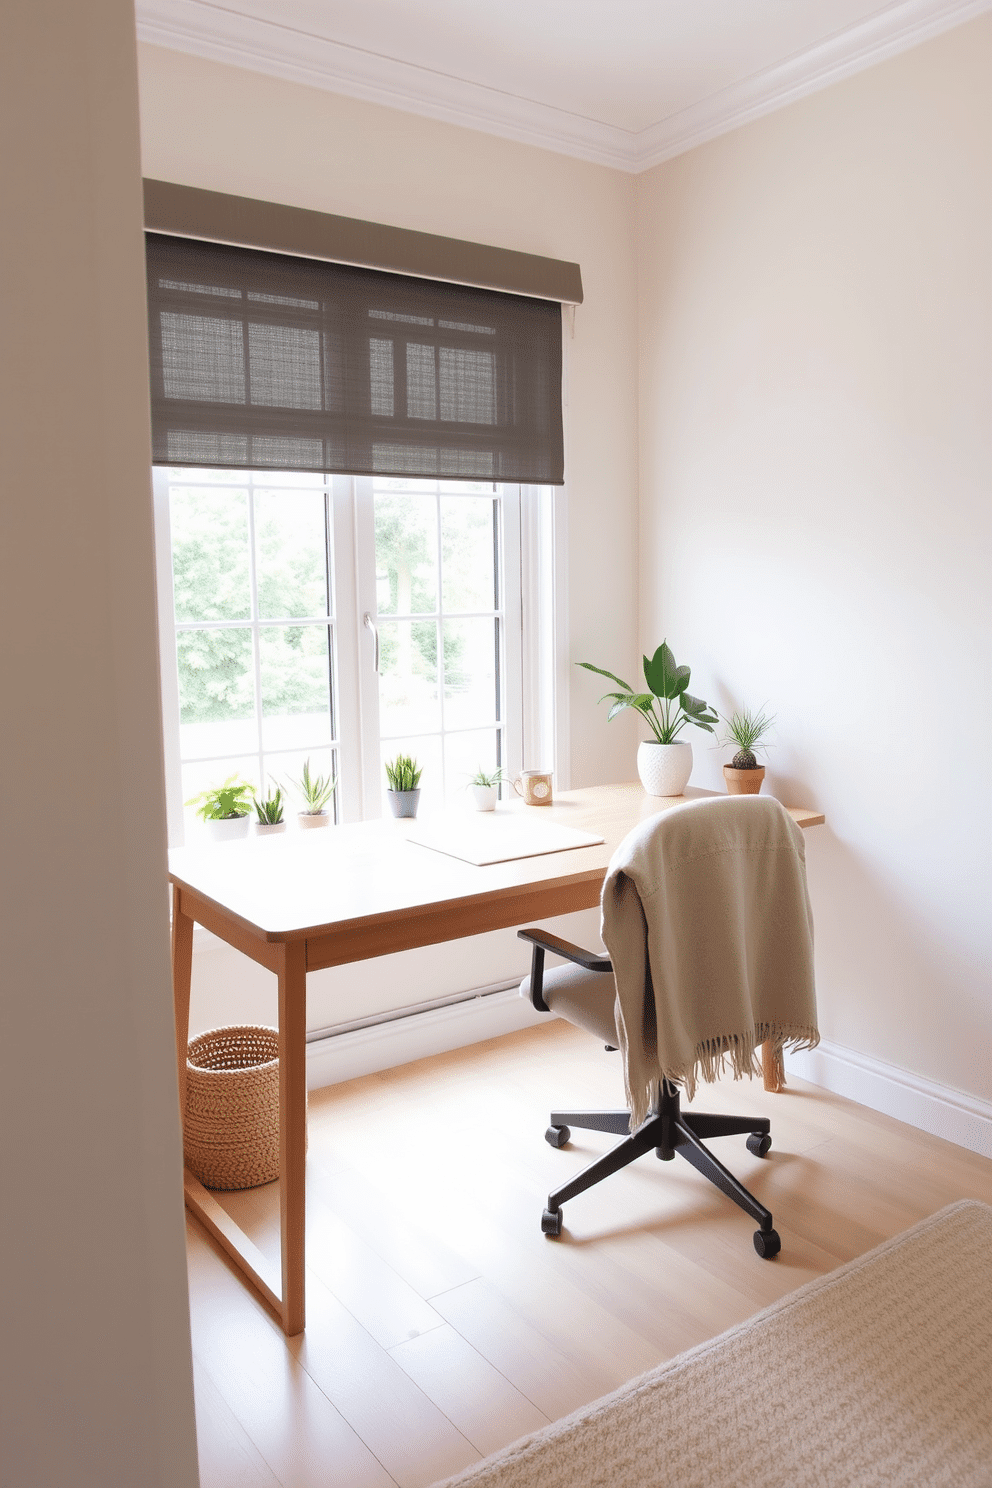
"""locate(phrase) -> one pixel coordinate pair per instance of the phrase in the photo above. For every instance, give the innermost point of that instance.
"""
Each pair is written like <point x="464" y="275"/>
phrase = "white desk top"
<point x="287" y="885"/>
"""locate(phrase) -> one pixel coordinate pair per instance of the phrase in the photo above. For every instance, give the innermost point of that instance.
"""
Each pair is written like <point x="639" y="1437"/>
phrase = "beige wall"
<point x="204" y="124"/>
<point x="97" y="1386"/>
<point x="815" y="300"/>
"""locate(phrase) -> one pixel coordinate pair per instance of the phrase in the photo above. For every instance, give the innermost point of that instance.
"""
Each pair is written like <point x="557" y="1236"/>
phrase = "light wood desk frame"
<point x="499" y="897"/>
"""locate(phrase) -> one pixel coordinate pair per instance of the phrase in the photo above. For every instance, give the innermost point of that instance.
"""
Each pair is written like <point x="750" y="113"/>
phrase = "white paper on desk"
<point x="497" y="837"/>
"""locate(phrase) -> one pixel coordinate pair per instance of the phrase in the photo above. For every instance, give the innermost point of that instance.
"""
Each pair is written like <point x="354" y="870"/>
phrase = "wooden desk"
<point x="305" y="900"/>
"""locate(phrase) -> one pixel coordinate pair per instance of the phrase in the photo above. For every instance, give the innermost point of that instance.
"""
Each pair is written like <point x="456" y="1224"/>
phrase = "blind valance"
<point x="270" y="361"/>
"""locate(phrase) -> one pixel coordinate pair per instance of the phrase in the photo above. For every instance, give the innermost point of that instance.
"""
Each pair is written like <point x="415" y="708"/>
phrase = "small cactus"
<point x="746" y="730"/>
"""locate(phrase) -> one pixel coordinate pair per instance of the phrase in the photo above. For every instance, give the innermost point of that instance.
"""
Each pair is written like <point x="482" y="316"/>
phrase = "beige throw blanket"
<point x="707" y="921"/>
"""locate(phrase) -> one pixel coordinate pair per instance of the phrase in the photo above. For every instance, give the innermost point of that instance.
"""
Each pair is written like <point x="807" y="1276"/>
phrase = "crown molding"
<point x="224" y="35"/>
<point x="896" y="29"/>
<point x="220" y="35"/>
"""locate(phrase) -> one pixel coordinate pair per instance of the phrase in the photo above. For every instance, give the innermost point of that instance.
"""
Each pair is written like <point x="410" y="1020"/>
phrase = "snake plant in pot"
<point x="664" y="762"/>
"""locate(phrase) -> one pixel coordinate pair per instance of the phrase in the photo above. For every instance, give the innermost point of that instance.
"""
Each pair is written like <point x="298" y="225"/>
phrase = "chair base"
<point x="668" y="1130"/>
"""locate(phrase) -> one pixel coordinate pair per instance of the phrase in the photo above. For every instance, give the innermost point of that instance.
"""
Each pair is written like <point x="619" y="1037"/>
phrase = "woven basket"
<point x="231" y="1132"/>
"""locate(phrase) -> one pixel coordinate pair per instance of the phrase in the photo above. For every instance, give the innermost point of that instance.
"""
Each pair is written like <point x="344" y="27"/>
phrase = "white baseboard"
<point x="345" y="1056"/>
<point x="930" y="1107"/>
<point x="963" y="1119"/>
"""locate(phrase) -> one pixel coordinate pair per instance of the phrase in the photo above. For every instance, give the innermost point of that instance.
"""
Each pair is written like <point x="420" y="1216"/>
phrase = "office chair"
<point x="586" y="993"/>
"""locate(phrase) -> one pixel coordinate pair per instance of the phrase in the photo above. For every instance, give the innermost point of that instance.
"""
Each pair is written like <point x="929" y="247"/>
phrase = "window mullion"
<point x="256" y="638"/>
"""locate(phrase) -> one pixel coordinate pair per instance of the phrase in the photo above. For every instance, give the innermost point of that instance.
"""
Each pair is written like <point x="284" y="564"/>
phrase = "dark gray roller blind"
<point x="266" y="361"/>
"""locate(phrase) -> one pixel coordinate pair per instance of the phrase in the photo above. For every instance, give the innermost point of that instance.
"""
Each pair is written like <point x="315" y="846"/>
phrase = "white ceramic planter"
<point x="228" y="828"/>
<point x="485" y="796"/>
<point x="664" y="768"/>
<point x="308" y="819"/>
<point x="269" y="829"/>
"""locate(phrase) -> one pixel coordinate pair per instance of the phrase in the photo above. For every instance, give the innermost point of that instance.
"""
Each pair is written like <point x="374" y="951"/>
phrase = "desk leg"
<point x="293" y="1131"/>
<point x="772" y="1067"/>
<point x="182" y="971"/>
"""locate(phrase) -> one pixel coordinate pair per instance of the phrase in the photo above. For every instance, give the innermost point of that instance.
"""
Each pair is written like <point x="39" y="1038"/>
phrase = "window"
<point x="276" y="591"/>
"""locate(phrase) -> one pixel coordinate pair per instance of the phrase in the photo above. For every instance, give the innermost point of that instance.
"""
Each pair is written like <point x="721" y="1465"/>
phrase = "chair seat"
<point x="585" y="998"/>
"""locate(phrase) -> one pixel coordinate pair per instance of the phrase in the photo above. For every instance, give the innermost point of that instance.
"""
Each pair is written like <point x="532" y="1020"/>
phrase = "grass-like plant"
<point x="403" y="773"/>
<point x="316" y="790"/>
<point x="487" y="778"/>
<point x="269" y="811"/>
<point x="746" y="729"/>
<point x="223" y="802"/>
<point x="667" y="707"/>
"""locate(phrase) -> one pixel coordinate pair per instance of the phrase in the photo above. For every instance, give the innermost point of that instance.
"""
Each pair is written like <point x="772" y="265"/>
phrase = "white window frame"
<point x="531" y="625"/>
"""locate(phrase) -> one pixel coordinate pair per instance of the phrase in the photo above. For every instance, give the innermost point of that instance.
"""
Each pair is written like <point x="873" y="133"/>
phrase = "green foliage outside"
<point x="211" y="579"/>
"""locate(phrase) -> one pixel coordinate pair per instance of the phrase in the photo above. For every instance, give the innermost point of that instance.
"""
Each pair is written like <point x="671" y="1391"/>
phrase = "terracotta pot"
<point x="664" y="768"/>
<point x="743" y="782"/>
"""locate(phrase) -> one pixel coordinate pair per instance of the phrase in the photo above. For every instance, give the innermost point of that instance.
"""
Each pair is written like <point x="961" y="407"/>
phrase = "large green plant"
<point x="667" y="706"/>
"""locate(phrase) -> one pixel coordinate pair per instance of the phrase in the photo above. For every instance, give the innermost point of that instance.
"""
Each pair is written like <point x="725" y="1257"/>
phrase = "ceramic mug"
<point x="534" y="786"/>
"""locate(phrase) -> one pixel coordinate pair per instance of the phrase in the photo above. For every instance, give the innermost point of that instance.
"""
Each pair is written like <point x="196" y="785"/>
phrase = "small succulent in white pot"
<point x="269" y="813"/>
<point x="316" y="791"/>
<point x="484" y="786"/>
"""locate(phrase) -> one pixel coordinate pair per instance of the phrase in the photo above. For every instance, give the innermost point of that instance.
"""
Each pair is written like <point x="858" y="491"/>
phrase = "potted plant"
<point x="270" y="813"/>
<point x="746" y="730"/>
<point x="484" y="786"/>
<point x="225" y="809"/>
<point x="403" y="774"/>
<point x="664" y="763"/>
<point x="316" y="791"/>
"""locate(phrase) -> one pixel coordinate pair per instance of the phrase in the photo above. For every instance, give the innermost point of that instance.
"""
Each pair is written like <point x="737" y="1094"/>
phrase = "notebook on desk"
<point x="497" y="836"/>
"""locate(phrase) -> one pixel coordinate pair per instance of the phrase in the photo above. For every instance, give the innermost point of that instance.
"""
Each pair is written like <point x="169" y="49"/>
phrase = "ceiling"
<point x="625" y="83"/>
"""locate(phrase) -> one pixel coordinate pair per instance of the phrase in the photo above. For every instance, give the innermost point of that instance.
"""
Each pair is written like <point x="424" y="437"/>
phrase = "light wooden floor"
<point x="442" y="1324"/>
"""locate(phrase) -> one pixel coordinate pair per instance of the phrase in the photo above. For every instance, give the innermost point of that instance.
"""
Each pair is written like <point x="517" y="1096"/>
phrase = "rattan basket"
<point x="231" y="1131"/>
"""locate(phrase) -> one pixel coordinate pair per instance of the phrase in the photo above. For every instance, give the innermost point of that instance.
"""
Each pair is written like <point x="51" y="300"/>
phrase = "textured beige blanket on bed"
<point x="707" y="921"/>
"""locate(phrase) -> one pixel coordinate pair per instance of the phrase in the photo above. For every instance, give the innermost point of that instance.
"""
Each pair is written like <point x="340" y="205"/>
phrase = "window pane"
<point x="290" y="553"/>
<point x="468" y="554"/>
<point x="406" y="554"/>
<point x="470" y="691"/>
<point x="296" y="696"/>
<point x="210" y="553"/>
<point x="408" y="695"/>
<point x="216" y="692"/>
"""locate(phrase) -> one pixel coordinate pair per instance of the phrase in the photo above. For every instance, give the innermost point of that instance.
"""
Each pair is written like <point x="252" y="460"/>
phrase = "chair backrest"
<point x="707" y="922"/>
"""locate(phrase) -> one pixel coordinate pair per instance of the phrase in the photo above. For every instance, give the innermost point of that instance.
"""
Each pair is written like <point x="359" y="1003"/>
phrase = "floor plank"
<point x="442" y="1324"/>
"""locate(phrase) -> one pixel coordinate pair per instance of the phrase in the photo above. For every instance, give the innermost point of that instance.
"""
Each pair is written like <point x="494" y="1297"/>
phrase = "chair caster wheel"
<point x="551" y="1222"/>
<point x="557" y="1136"/>
<point x="760" y="1143"/>
<point x="767" y="1243"/>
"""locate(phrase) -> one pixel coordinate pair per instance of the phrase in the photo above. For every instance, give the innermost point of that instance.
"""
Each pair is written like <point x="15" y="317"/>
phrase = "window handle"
<point x="371" y="625"/>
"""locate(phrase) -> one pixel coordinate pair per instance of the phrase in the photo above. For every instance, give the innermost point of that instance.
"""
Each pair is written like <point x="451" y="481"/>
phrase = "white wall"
<point x="210" y="125"/>
<point x="97" y="1379"/>
<point x="815" y="300"/>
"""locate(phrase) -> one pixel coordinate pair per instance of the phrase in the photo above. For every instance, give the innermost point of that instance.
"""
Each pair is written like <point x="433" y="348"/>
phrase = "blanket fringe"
<point x="736" y="1054"/>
